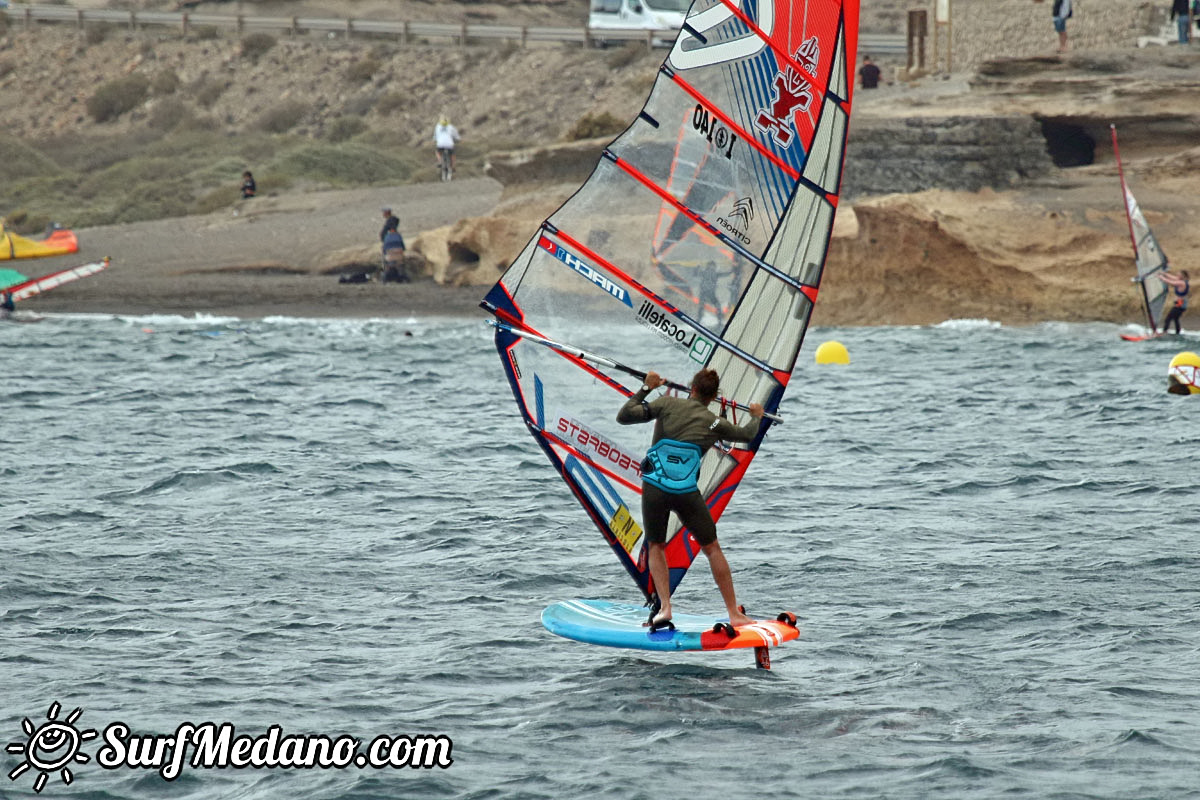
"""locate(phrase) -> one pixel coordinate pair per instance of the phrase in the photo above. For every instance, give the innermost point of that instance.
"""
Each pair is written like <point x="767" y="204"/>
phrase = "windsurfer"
<point x="1180" y="284"/>
<point x="684" y="430"/>
<point x="7" y="307"/>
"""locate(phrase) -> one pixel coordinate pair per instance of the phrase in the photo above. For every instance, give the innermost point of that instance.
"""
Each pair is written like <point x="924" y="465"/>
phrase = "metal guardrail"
<point x="458" y="33"/>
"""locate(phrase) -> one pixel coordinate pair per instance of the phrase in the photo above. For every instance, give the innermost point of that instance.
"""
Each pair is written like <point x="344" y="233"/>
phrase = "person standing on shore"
<point x="868" y="74"/>
<point x="1183" y="21"/>
<point x="249" y="187"/>
<point x="393" y="259"/>
<point x="1061" y="12"/>
<point x="391" y="224"/>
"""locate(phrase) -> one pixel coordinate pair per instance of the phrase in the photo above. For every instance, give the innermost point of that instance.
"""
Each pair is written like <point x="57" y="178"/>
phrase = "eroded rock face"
<point x="969" y="153"/>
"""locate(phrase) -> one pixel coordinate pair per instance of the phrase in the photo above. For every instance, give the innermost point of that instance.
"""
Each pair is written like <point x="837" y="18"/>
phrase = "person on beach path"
<point x="445" y="136"/>
<point x="1182" y="287"/>
<point x="684" y="430"/>
<point x="1061" y="12"/>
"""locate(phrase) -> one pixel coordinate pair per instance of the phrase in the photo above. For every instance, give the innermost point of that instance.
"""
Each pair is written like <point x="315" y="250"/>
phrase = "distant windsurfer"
<point x="7" y="307"/>
<point x="684" y="430"/>
<point x="1182" y="287"/>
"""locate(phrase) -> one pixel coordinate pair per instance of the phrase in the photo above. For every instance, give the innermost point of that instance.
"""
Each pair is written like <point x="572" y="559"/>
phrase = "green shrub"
<point x="344" y="164"/>
<point x="19" y="160"/>
<point x="169" y="114"/>
<point x="362" y="70"/>
<point x="165" y="81"/>
<point x="26" y="224"/>
<point x="114" y="98"/>
<point x="206" y="91"/>
<point x="591" y="126"/>
<point x="256" y="45"/>
<point x="97" y="33"/>
<point x="344" y="128"/>
<point x="624" y="56"/>
<point x="391" y="102"/>
<point x="282" y="117"/>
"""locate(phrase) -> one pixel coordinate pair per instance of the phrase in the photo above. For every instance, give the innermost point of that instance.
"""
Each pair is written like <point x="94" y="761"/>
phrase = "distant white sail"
<point x="1147" y="255"/>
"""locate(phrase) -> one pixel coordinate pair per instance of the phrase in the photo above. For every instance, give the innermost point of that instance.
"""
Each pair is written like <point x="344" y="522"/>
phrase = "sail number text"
<point x="712" y="129"/>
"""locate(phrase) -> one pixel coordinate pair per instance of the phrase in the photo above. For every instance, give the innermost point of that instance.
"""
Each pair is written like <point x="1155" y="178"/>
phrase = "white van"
<point x="637" y="15"/>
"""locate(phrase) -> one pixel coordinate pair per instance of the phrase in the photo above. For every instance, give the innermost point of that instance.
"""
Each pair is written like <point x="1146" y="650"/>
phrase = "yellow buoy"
<point x="1183" y="377"/>
<point x="833" y="353"/>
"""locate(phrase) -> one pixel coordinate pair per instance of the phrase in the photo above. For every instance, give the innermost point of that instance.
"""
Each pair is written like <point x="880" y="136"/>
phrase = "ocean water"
<point x="337" y="527"/>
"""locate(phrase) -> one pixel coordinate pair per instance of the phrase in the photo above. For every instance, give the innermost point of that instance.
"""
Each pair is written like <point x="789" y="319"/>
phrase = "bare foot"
<point x="739" y="619"/>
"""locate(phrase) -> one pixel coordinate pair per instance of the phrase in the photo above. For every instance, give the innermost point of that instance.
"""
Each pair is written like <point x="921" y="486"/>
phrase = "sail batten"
<point x="698" y="241"/>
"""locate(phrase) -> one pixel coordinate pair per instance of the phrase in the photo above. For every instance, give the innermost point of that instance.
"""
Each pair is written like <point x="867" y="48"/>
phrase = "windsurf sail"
<point x="10" y="277"/>
<point x="29" y="288"/>
<point x="698" y="241"/>
<point x="59" y="242"/>
<point x="1148" y="257"/>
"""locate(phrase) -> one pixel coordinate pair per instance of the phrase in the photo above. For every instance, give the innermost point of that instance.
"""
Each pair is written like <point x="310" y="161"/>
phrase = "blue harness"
<point x="672" y="466"/>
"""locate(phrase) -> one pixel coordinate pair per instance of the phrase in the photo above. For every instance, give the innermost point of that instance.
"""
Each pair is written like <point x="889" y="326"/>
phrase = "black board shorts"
<point x="690" y="508"/>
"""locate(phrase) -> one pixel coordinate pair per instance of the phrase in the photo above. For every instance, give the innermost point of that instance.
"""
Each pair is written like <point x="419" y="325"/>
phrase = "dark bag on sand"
<point x="355" y="277"/>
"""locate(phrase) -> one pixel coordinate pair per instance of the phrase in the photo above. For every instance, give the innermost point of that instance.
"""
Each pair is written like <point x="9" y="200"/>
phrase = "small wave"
<point x="963" y="324"/>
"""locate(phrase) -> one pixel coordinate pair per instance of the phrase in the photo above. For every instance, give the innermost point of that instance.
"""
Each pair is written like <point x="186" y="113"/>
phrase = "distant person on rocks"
<point x="1061" y="11"/>
<point x="868" y="74"/>
<point x="1183" y="22"/>
<point x="445" y="136"/>
<point x="390" y="223"/>
<point x="1181" y="286"/>
<point x="249" y="187"/>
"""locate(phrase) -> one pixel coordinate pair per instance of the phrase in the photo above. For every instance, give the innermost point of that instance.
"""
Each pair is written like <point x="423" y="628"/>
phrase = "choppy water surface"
<point x="989" y="534"/>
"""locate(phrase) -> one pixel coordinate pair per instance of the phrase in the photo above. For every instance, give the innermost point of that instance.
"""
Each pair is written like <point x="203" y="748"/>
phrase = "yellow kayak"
<point x="59" y="243"/>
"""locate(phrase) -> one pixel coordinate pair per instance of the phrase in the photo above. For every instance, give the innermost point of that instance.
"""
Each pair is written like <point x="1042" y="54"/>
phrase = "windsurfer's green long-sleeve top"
<point x="684" y="420"/>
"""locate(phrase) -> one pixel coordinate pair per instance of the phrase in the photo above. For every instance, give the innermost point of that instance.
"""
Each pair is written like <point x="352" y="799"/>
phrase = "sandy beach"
<point x="279" y="256"/>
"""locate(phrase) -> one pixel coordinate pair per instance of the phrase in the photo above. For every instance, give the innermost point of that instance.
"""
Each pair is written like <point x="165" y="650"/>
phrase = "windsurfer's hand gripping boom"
<point x="603" y="361"/>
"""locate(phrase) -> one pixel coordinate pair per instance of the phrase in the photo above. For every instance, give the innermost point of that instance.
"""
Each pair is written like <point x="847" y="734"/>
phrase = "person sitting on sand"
<point x="683" y="430"/>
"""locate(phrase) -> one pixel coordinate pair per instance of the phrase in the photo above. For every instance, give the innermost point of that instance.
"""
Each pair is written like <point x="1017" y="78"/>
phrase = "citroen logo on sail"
<point x="739" y="219"/>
